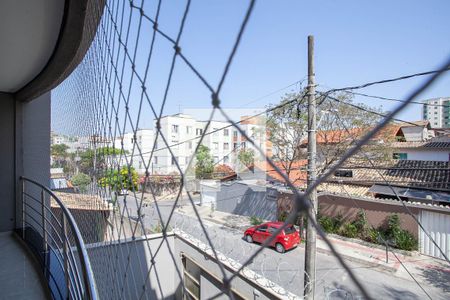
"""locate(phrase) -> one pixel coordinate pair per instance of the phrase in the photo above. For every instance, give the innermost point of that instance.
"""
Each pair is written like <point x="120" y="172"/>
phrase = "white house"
<point x="436" y="149"/>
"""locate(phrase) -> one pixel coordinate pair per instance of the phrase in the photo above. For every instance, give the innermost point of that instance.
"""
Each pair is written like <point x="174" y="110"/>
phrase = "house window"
<point x="225" y="132"/>
<point x="190" y="145"/>
<point x="226" y="159"/>
<point x="243" y="145"/>
<point x="235" y="133"/>
<point x="234" y="146"/>
<point x="226" y="146"/>
<point x="155" y="160"/>
<point x="199" y="131"/>
<point x="215" y="132"/>
<point x="188" y="129"/>
<point x="175" y="128"/>
<point x="174" y="160"/>
<point x="401" y="156"/>
<point x="343" y="173"/>
<point x="216" y="159"/>
<point x="186" y="160"/>
<point x="216" y="146"/>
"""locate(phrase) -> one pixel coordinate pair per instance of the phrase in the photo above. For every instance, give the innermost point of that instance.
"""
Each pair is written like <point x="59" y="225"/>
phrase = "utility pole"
<point x="310" y="252"/>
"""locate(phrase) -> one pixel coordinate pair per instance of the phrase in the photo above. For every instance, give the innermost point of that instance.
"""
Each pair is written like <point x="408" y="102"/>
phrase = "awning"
<point x="410" y="192"/>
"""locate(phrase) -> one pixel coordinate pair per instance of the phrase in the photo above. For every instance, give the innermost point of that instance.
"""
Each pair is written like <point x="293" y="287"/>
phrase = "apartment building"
<point x="218" y="139"/>
<point x="180" y="131"/>
<point x="223" y="140"/>
<point x="137" y="149"/>
<point x="437" y="111"/>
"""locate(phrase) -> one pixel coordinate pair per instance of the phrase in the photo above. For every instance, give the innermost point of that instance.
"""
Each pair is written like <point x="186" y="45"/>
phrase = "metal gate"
<point x="438" y="227"/>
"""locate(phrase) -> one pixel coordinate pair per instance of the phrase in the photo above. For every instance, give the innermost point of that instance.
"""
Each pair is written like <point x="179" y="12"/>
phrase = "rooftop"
<point x="81" y="201"/>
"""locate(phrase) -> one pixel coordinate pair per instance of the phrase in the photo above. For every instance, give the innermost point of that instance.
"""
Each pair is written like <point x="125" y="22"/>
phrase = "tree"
<point x="247" y="157"/>
<point x="125" y="178"/>
<point x="59" y="150"/>
<point x="339" y="124"/>
<point x="204" y="165"/>
<point x="59" y="154"/>
<point x="287" y="125"/>
<point x="81" y="181"/>
<point x="91" y="161"/>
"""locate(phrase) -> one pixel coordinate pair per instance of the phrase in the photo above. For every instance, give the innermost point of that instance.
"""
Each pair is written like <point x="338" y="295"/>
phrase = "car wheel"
<point x="249" y="238"/>
<point x="279" y="248"/>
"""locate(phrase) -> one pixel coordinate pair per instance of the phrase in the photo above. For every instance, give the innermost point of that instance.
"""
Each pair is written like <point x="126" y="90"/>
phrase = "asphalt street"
<point x="287" y="269"/>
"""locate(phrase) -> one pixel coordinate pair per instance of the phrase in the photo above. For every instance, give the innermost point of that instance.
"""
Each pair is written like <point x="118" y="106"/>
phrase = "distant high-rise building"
<point x="437" y="111"/>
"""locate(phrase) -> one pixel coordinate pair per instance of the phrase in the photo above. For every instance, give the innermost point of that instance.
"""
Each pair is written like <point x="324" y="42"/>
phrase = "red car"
<point x="287" y="239"/>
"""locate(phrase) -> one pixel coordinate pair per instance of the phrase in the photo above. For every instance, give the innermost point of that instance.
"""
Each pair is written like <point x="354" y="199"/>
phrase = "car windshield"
<point x="289" y="230"/>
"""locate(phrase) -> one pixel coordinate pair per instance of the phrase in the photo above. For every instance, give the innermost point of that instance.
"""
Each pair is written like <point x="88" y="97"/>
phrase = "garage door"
<point x="438" y="227"/>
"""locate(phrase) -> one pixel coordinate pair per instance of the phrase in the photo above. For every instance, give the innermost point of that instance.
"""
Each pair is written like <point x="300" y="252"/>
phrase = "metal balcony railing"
<point x="50" y="230"/>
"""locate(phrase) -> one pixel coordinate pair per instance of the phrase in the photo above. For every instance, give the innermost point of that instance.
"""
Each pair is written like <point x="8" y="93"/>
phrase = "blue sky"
<point x="355" y="42"/>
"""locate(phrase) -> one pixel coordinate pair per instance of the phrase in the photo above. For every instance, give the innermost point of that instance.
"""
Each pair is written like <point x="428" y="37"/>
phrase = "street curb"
<point x="388" y="269"/>
<point x="372" y="245"/>
<point x="360" y="260"/>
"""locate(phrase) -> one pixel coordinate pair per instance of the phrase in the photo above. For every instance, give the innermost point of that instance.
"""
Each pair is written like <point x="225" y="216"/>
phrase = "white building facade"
<point x="183" y="134"/>
<point x="437" y="111"/>
<point x="137" y="149"/>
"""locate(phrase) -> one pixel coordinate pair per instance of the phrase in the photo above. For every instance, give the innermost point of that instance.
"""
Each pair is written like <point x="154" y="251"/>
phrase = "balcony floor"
<point x="19" y="277"/>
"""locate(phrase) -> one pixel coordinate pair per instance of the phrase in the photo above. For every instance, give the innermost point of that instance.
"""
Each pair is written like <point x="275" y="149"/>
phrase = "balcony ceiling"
<point x="29" y="32"/>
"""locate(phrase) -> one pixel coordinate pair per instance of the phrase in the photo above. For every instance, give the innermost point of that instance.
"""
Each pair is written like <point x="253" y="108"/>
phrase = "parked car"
<point x="287" y="239"/>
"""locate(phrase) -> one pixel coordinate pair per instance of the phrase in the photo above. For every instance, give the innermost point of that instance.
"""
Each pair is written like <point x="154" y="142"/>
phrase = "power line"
<point x="274" y="92"/>
<point x="393" y="99"/>
<point x="327" y="95"/>
<point x="364" y="85"/>
<point x="227" y="126"/>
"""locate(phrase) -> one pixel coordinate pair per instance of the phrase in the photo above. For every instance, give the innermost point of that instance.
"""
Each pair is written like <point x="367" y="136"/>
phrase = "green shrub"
<point x="349" y="230"/>
<point x="372" y="236"/>
<point x="282" y="216"/>
<point x="81" y="181"/>
<point x="361" y="221"/>
<point x="406" y="241"/>
<point x="394" y="226"/>
<point x="327" y="224"/>
<point x="255" y="220"/>
<point x="338" y="222"/>
<point x="331" y="224"/>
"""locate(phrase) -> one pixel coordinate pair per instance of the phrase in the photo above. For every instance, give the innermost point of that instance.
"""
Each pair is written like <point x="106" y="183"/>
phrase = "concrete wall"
<point x="36" y="138"/>
<point x="121" y="270"/>
<point x="113" y="272"/>
<point x="247" y="200"/>
<point x="210" y="277"/>
<point x="7" y="188"/>
<point x="32" y="151"/>
<point x="92" y="223"/>
<point x="377" y="211"/>
<point x="25" y="150"/>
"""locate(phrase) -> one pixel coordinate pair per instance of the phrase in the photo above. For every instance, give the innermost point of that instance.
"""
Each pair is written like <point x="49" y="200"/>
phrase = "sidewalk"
<point x="420" y="266"/>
